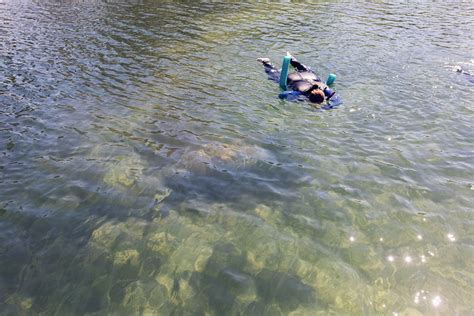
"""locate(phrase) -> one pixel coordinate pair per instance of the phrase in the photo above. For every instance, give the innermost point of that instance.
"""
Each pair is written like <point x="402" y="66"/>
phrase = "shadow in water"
<point x="228" y="289"/>
<point x="242" y="187"/>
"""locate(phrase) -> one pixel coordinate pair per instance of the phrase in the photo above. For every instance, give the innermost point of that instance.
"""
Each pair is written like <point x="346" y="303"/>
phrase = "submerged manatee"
<point x="222" y="156"/>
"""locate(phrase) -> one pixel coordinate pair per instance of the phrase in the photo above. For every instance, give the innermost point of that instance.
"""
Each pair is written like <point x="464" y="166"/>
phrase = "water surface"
<point x="147" y="166"/>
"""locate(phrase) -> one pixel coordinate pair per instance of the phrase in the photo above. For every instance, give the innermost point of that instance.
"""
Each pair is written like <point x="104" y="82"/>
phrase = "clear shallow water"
<point x="147" y="166"/>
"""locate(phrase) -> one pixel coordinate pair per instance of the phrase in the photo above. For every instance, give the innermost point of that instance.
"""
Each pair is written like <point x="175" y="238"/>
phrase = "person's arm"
<point x="299" y="66"/>
<point x="334" y="101"/>
<point x="291" y="95"/>
<point x="272" y="72"/>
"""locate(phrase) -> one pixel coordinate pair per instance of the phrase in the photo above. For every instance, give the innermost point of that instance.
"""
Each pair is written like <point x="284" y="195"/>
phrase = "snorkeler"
<point x="304" y="83"/>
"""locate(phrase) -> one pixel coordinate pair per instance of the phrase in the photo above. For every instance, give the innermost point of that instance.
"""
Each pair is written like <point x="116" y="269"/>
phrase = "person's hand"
<point x="263" y="60"/>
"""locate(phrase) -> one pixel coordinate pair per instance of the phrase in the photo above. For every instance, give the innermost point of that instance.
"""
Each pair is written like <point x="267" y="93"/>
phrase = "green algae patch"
<point x="162" y="242"/>
<point x="125" y="172"/>
<point x="128" y="256"/>
<point x="341" y="286"/>
<point x="105" y="235"/>
<point x="263" y="211"/>
<point x="160" y="196"/>
<point x="23" y="303"/>
<point x="116" y="235"/>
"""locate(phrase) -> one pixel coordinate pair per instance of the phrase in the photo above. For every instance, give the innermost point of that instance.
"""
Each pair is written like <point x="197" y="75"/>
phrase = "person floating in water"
<point x="304" y="84"/>
<point x="468" y="75"/>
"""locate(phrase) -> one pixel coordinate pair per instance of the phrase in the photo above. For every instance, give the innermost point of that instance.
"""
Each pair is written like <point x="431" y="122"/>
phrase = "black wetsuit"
<point x="303" y="80"/>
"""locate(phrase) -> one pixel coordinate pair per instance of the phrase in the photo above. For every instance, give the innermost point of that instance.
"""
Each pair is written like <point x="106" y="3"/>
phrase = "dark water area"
<point x="147" y="166"/>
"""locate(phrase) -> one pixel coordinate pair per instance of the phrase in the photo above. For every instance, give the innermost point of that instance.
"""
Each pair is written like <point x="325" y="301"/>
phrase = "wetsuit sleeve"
<point x="290" y="95"/>
<point x="272" y="72"/>
<point x="334" y="101"/>
<point x="299" y="66"/>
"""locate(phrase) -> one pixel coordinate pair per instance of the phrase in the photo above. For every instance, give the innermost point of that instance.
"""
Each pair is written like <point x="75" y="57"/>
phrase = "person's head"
<point x="316" y="96"/>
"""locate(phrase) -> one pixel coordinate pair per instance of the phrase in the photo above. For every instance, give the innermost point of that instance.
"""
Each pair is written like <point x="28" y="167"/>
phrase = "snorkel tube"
<point x="330" y="80"/>
<point x="328" y="92"/>
<point x="284" y="71"/>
